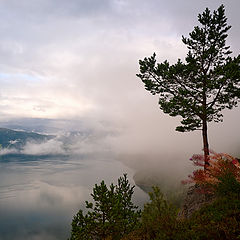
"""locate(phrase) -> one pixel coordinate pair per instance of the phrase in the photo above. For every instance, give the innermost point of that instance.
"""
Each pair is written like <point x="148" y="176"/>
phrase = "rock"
<point x="194" y="201"/>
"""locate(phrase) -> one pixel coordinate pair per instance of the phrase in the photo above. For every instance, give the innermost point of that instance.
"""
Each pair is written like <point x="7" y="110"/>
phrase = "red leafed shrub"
<point x="222" y="175"/>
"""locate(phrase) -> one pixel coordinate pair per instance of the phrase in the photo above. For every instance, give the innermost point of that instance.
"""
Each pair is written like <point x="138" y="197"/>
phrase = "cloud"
<point x="4" y="151"/>
<point x="52" y="146"/>
<point x="80" y="58"/>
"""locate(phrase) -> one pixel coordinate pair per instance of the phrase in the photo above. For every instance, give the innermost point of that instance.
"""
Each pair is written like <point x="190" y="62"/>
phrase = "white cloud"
<point x="51" y="146"/>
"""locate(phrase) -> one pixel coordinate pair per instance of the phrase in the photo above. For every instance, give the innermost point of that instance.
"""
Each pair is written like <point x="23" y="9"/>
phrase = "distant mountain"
<point x="12" y="142"/>
<point x="17" y="139"/>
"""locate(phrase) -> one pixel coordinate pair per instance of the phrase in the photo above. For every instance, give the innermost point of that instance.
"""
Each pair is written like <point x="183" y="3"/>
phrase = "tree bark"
<point x="204" y="123"/>
<point x="205" y="144"/>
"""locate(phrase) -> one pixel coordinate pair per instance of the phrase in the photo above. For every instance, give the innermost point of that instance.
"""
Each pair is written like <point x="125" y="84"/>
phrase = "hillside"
<point x="17" y="139"/>
<point x="12" y="142"/>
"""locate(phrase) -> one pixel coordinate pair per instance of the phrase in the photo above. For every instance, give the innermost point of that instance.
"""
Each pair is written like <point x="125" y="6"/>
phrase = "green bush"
<point x="227" y="185"/>
<point x="158" y="217"/>
<point x="219" y="220"/>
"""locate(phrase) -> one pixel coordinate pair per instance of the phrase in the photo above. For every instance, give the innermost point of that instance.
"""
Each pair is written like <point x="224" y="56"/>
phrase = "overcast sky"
<point x="78" y="59"/>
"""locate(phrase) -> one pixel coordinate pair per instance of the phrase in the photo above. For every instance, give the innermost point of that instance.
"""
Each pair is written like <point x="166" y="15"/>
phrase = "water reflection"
<point x="39" y="198"/>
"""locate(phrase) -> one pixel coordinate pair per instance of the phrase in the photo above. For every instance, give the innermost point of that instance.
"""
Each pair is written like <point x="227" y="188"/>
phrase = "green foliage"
<point x="111" y="216"/>
<point x="219" y="220"/>
<point x="158" y="217"/>
<point x="227" y="185"/>
<point x="206" y="83"/>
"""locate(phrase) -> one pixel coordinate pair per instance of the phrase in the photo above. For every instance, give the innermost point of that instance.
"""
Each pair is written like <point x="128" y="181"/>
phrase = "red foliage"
<point x="220" y="164"/>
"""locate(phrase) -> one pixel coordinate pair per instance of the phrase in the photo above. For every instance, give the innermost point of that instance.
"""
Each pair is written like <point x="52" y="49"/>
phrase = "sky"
<point x="77" y="60"/>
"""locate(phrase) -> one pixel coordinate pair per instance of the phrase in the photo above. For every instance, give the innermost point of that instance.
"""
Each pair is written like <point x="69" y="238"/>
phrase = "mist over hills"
<point x="13" y="142"/>
<point x="17" y="139"/>
<point x="36" y="139"/>
<point x="20" y="145"/>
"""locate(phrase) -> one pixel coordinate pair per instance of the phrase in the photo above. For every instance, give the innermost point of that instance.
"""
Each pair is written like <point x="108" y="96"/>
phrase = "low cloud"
<point x="52" y="147"/>
<point x="4" y="151"/>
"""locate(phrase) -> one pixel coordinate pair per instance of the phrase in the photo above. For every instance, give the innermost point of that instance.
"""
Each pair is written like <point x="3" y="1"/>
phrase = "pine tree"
<point x="111" y="216"/>
<point x="202" y="86"/>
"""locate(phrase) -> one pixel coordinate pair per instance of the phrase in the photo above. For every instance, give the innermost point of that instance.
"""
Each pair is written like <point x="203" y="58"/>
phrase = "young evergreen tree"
<point x="202" y="86"/>
<point x="111" y="216"/>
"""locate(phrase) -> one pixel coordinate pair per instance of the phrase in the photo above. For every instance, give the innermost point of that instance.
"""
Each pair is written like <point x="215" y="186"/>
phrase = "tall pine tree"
<point x="207" y="82"/>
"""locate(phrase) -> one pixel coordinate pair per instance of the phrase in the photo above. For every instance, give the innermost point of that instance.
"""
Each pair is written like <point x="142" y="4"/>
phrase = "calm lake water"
<point x="39" y="198"/>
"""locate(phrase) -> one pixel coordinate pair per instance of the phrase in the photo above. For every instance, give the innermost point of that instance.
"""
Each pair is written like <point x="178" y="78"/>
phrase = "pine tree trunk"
<point x="205" y="144"/>
<point x="204" y="124"/>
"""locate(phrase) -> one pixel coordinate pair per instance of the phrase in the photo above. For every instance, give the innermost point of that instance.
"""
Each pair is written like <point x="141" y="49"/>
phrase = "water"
<point x="39" y="198"/>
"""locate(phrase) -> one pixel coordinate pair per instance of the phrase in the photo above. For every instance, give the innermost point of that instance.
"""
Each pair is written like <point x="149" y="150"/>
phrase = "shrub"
<point x="158" y="217"/>
<point x="221" y="177"/>
<point x="219" y="220"/>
